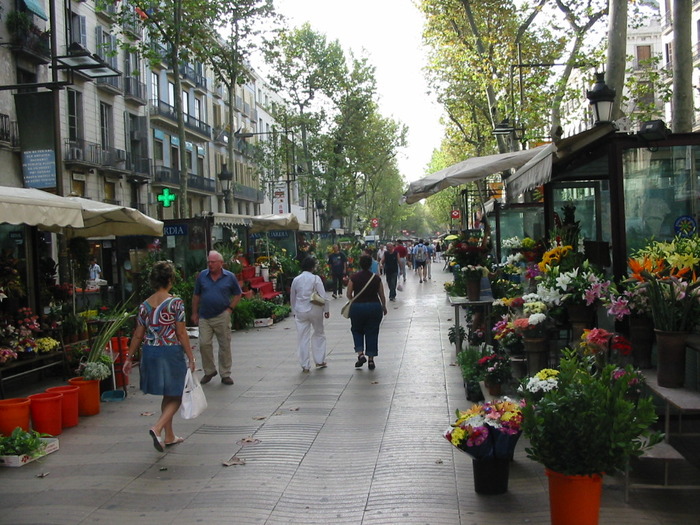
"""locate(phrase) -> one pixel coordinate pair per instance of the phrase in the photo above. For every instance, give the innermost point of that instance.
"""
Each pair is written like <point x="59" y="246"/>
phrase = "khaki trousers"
<point x="221" y="327"/>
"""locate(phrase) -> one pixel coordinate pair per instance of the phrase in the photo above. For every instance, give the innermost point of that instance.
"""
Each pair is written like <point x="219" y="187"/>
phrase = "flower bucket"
<point x="581" y="317"/>
<point x="574" y="500"/>
<point x="491" y="475"/>
<point x="69" y="404"/>
<point x="474" y="289"/>
<point x="642" y="340"/>
<point x="537" y="353"/>
<point x="88" y="396"/>
<point x="494" y="389"/>
<point x="46" y="412"/>
<point x="14" y="413"/>
<point x="670" y="358"/>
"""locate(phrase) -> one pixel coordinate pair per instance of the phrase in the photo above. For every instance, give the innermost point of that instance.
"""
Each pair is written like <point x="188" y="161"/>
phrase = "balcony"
<point x="134" y="91"/>
<point x="221" y="136"/>
<point x="91" y="154"/>
<point x="139" y="167"/>
<point x="111" y="84"/>
<point x="107" y="11"/>
<point x="191" y="77"/>
<point x="33" y="45"/>
<point x="165" y="175"/>
<point x="166" y="111"/>
<point x="247" y="193"/>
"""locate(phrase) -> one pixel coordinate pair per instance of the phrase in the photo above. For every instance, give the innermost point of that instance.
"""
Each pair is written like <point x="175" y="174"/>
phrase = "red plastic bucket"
<point x="69" y="405"/>
<point x="14" y="413"/>
<point x="88" y="396"/>
<point x="46" y="412"/>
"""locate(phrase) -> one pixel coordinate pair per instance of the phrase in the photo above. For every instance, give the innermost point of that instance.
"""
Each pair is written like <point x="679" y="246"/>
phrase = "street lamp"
<point x="601" y="98"/>
<point x="226" y="177"/>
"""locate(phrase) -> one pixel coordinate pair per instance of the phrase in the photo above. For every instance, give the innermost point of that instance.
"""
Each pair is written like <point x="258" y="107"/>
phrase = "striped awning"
<point x="36" y="7"/>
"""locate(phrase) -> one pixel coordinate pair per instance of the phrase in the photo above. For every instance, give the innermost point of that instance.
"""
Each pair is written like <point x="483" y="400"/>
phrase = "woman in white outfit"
<point x="309" y="316"/>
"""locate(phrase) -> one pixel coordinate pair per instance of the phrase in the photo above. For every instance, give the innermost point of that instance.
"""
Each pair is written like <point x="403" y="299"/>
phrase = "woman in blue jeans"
<point x="366" y="312"/>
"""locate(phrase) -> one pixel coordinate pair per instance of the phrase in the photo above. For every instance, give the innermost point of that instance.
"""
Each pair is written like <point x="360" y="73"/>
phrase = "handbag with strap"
<point x="345" y="311"/>
<point x="317" y="299"/>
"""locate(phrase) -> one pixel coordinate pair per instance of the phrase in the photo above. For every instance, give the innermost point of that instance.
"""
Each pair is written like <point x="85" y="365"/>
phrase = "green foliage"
<point x="587" y="424"/>
<point x="18" y="23"/>
<point x="95" y="370"/>
<point x="185" y="290"/>
<point x="261" y="308"/>
<point x="243" y="316"/>
<point x="21" y="442"/>
<point x="282" y="311"/>
<point x="452" y="334"/>
<point x="467" y="360"/>
<point x="121" y="315"/>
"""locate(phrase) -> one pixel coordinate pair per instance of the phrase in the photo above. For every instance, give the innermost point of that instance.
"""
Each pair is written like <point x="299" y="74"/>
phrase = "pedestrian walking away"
<point x="367" y="310"/>
<point x="390" y="263"/>
<point x="338" y="263"/>
<point x="160" y="326"/>
<point x="420" y="258"/>
<point x="309" y="316"/>
<point x="216" y="294"/>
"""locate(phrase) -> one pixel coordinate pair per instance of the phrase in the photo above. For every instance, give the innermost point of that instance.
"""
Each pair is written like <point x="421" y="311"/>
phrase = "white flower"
<point x="536" y="319"/>
<point x="534" y="384"/>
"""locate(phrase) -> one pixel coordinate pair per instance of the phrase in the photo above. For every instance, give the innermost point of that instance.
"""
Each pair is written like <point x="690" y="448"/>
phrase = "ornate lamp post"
<point x="226" y="177"/>
<point x="601" y="98"/>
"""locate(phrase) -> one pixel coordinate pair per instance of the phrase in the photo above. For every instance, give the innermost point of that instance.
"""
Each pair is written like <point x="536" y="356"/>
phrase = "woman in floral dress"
<point x="161" y="328"/>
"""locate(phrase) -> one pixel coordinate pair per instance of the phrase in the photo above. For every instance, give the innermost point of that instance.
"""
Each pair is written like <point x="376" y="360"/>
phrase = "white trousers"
<point x="316" y="343"/>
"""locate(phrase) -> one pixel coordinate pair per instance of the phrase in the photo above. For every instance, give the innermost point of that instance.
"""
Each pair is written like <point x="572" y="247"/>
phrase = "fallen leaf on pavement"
<point x="235" y="460"/>
<point x="147" y="413"/>
<point x="259" y="418"/>
<point x="374" y="383"/>
<point x="43" y="474"/>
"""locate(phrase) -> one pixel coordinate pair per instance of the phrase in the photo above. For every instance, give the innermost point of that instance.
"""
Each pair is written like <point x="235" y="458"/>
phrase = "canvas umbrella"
<point x="38" y="208"/>
<point x="452" y="237"/>
<point x="273" y="221"/>
<point x="101" y="219"/>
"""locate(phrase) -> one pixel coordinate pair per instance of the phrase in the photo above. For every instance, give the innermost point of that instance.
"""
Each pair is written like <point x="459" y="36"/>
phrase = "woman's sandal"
<point x="176" y="441"/>
<point x="370" y="365"/>
<point x="157" y="441"/>
<point x="361" y="360"/>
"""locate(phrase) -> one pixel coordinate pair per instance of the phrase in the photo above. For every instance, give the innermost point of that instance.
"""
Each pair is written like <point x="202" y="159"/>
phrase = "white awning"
<point x="535" y="172"/>
<point x="231" y="219"/>
<point x="38" y="208"/>
<point x="270" y="222"/>
<point x="470" y="170"/>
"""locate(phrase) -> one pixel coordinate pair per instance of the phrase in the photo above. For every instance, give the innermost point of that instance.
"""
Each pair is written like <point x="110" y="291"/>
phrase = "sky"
<point x="389" y="31"/>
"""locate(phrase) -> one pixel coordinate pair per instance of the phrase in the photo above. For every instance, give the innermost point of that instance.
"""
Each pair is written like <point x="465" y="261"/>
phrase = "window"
<point x="185" y="103"/>
<point x="174" y="158"/>
<point x="155" y="89"/>
<point x="106" y="47"/>
<point x="106" y="126"/>
<point x="110" y="191"/>
<point x="197" y="109"/>
<point x="217" y="115"/>
<point x="171" y="93"/>
<point x="646" y="93"/>
<point x="78" y="29"/>
<point x="78" y="187"/>
<point x="643" y="56"/>
<point x="200" y="166"/>
<point x="158" y="150"/>
<point x="75" y="115"/>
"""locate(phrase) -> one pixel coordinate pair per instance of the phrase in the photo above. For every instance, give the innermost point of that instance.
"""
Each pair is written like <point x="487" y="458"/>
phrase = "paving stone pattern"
<point x="338" y="445"/>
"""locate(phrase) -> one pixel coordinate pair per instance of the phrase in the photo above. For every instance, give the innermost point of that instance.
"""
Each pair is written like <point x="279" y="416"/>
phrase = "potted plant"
<point x="496" y="372"/>
<point x="468" y="360"/>
<point x="668" y="273"/>
<point x="582" y="423"/>
<point x="488" y="432"/>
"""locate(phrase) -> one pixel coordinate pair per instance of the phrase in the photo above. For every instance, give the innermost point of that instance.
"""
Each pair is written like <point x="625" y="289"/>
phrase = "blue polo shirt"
<point x="215" y="296"/>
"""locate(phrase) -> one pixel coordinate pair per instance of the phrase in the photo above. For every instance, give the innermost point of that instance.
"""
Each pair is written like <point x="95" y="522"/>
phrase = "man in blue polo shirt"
<point x="216" y="294"/>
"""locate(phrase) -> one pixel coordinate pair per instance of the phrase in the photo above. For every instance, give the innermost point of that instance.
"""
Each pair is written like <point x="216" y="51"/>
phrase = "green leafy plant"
<point x="95" y="370"/>
<point x="261" y="308"/>
<point x="468" y="361"/>
<point x="121" y="315"/>
<point x="582" y="420"/>
<point x="21" y="442"/>
<point x="452" y="333"/>
<point x="243" y="316"/>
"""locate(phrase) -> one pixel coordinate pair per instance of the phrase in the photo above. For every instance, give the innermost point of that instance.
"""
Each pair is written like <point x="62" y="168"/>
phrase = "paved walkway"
<point x="338" y="445"/>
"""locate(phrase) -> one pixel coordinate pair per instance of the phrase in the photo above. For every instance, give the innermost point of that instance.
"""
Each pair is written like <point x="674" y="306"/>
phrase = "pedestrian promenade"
<point x="338" y="445"/>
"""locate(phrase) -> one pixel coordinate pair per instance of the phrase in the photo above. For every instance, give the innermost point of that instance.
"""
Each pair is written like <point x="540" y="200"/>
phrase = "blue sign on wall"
<point x="39" y="168"/>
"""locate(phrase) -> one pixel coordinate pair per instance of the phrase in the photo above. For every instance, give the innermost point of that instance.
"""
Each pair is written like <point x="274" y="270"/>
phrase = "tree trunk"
<point x="180" y="112"/>
<point x="617" y="41"/>
<point x="682" y="101"/>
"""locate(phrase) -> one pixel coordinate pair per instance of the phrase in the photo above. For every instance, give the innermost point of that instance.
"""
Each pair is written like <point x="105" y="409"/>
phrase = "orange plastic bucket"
<point x="46" y="412"/>
<point x="121" y="379"/>
<point x="574" y="500"/>
<point x="14" y="413"/>
<point x="88" y="395"/>
<point x="69" y="405"/>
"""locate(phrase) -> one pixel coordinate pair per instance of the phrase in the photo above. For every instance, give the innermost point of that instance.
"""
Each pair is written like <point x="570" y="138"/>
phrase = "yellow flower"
<point x="547" y="373"/>
<point x="457" y="436"/>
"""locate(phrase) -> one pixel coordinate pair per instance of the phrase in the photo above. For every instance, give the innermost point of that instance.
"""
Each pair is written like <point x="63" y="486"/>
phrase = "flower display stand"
<point x="671" y="358"/>
<point x="491" y="475"/>
<point x="574" y="500"/>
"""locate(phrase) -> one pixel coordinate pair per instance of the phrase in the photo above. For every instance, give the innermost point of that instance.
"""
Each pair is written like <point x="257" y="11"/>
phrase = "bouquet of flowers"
<point x="46" y="344"/>
<point x="668" y="271"/>
<point x="487" y="429"/>
<point x="505" y="335"/>
<point x="472" y="272"/>
<point x="582" y="285"/>
<point x="470" y="249"/>
<point x="7" y="355"/>
<point x="495" y="369"/>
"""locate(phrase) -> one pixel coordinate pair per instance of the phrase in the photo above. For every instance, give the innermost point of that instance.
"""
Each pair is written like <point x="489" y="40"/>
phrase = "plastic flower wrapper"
<point x="487" y="429"/>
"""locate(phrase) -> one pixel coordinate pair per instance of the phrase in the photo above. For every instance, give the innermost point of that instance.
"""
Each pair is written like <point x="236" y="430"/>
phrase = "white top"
<point x="95" y="271"/>
<point x="303" y="286"/>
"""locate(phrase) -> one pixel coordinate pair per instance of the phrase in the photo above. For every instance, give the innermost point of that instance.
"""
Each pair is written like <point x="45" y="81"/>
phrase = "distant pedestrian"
<point x="366" y="312"/>
<point x="438" y="250"/>
<point x="431" y="258"/>
<point x="380" y="255"/>
<point x="402" y="253"/>
<point x="160" y="325"/>
<point x="95" y="270"/>
<point x="375" y="263"/>
<point x="309" y="316"/>
<point x="216" y="294"/>
<point x="390" y="264"/>
<point x="338" y="263"/>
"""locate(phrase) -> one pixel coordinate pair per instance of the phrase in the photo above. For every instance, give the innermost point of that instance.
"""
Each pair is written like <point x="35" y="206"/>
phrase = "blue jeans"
<point x="365" y="319"/>
<point x="391" y="279"/>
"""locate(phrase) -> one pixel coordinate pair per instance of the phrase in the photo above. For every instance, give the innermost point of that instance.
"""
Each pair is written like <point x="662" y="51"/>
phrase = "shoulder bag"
<point x="345" y="311"/>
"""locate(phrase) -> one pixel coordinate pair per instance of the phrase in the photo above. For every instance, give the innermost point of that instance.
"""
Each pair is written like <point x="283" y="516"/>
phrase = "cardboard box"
<point x="263" y="322"/>
<point x="18" y="461"/>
